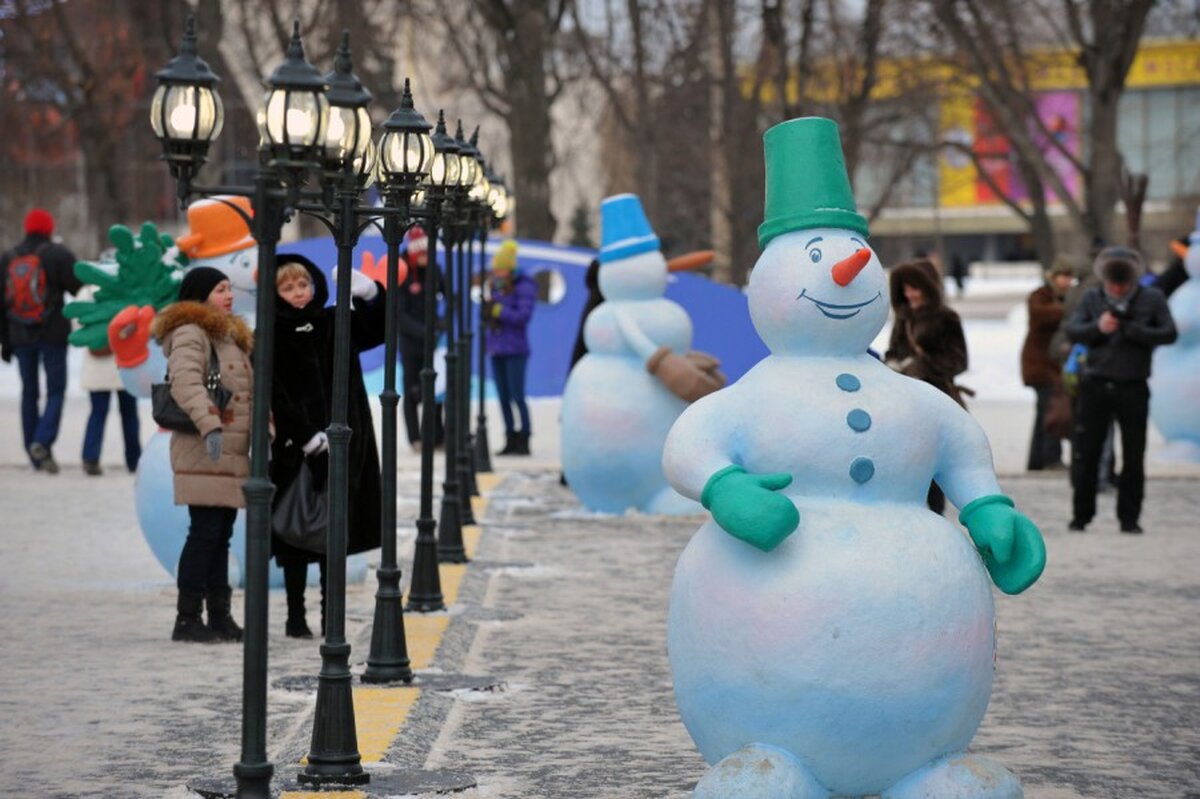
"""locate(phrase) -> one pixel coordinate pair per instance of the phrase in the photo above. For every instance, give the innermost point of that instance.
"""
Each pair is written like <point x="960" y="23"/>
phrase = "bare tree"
<point x="508" y="53"/>
<point x="86" y="62"/>
<point x="992" y="50"/>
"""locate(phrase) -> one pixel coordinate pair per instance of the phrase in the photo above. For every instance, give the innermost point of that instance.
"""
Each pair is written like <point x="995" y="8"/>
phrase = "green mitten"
<point x="1011" y="546"/>
<point x="747" y="507"/>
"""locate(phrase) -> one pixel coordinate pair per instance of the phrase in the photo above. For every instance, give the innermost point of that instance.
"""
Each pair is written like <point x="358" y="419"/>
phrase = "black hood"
<point x="320" y="288"/>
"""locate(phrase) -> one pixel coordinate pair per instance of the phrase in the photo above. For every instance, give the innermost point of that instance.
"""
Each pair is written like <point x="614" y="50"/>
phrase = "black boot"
<point x="295" y="576"/>
<point x="520" y="444"/>
<point x="510" y="440"/>
<point x="189" y="626"/>
<point x="220" y="620"/>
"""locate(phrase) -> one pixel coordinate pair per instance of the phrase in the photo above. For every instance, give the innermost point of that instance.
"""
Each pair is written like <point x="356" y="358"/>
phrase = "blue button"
<point x="862" y="470"/>
<point x="848" y="382"/>
<point x="859" y="420"/>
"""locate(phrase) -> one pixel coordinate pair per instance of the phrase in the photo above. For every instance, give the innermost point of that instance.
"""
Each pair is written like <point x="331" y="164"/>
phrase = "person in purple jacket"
<point x="507" y="313"/>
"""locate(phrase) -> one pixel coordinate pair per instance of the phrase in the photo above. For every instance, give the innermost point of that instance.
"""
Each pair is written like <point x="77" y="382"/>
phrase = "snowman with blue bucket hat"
<point x="828" y="634"/>
<point x="637" y="377"/>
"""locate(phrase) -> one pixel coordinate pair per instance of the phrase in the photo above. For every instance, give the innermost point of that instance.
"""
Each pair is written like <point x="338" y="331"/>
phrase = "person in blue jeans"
<point x="507" y="314"/>
<point x="101" y="380"/>
<point x="34" y="275"/>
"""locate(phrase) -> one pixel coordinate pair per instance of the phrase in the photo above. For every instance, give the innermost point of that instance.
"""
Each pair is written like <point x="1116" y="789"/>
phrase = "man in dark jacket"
<point x="412" y="333"/>
<point x="1121" y="323"/>
<point x="33" y="277"/>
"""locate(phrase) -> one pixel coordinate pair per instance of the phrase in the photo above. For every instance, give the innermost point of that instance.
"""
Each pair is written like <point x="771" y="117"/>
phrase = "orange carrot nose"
<point x="847" y="269"/>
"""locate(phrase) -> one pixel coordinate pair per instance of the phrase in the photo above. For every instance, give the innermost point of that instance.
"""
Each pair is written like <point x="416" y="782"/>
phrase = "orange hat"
<point x="216" y="229"/>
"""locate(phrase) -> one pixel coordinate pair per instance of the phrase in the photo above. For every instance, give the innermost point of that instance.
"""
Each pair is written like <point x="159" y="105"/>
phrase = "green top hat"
<point x="807" y="185"/>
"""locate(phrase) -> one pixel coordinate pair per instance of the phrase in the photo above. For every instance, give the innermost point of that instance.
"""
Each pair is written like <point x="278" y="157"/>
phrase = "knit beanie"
<point x="1062" y="265"/>
<point x="39" y="222"/>
<point x="505" y="259"/>
<point x="416" y="240"/>
<point x="199" y="282"/>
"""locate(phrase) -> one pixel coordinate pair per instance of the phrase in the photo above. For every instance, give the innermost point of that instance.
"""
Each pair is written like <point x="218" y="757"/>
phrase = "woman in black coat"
<point x="301" y="403"/>
<point x="927" y="340"/>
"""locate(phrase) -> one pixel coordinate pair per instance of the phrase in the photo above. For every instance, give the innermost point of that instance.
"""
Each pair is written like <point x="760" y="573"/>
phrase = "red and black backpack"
<point x="25" y="288"/>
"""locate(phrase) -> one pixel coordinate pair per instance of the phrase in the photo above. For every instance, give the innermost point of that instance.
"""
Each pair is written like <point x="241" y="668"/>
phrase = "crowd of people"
<point x="1087" y="357"/>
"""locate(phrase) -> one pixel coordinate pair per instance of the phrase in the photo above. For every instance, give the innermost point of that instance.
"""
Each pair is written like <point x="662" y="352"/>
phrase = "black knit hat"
<point x="199" y="282"/>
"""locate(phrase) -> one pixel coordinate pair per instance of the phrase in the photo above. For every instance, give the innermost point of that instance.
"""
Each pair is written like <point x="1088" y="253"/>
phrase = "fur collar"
<point x="215" y="324"/>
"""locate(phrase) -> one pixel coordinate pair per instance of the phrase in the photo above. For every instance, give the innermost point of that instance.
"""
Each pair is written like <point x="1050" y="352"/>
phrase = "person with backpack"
<point x="33" y="277"/>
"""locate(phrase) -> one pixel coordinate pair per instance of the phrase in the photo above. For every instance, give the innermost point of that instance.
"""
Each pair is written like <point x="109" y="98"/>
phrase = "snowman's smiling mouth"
<point x="828" y="308"/>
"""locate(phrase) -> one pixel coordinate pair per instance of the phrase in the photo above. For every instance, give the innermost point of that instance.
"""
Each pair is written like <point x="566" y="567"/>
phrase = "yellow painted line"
<point x="423" y="633"/>
<point x="380" y="711"/>
<point x="379" y="714"/>
<point x="486" y="481"/>
<point x="471" y="534"/>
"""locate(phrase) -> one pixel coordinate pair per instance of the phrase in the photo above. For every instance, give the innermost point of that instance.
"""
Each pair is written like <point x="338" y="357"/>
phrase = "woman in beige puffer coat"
<point x="211" y="465"/>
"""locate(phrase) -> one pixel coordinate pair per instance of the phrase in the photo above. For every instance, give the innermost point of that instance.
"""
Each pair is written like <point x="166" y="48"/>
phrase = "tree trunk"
<point x="1102" y="178"/>
<point x="528" y="119"/>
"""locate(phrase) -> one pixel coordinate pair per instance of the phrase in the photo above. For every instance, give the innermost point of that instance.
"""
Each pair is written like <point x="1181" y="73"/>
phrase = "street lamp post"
<point x="425" y="592"/>
<point x="405" y="155"/>
<point x="493" y="211"/>
<point x="312" y="124"/>
<point x="186" y="114"/>
<point x="466" y="451"/>
<point x="333" y="756"/>
<point x="450" y="542"/>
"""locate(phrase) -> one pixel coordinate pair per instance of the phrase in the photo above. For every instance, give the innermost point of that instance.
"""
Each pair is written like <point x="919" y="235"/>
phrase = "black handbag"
<point x="302" y="515"/>
<point x="166" y="411"/>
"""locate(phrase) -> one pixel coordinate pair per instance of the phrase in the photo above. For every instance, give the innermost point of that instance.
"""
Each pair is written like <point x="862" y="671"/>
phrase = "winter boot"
<point x="220" y="621"/>
<point x="188" y="624"/>
<point x="510" y="440"/>
<point x="520" y="444"/>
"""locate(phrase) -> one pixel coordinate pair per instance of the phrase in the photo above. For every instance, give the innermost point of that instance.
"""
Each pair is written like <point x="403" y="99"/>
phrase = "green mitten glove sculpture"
<point x="747" y="507"/>
<point x="1011" y="546"/>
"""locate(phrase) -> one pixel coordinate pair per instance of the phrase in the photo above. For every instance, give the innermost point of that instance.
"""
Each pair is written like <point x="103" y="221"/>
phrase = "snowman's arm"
<point x="701" y="443"/>
<point x="964" y="470"/>
<point x="637" y="340"/>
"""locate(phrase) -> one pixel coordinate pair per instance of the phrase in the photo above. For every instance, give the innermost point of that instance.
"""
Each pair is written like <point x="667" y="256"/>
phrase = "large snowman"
<point x="828" y="634"/>
<point x="615" y="413"/>
<point x="1175" y="380"/>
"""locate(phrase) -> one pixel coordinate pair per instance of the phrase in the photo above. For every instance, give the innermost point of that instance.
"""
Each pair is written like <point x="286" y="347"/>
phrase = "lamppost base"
<point x="386" y="780"/>
<point x="322" y="781"/>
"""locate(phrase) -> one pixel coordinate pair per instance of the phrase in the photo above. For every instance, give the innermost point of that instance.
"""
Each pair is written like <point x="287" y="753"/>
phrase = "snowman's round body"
<point x="1175" y="377"/>
<point x="615" y="414"/>
<point x="863" y="644"/>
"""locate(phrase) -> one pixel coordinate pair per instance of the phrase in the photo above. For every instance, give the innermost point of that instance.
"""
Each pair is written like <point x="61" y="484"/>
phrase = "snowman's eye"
<point x="815" y="255"/>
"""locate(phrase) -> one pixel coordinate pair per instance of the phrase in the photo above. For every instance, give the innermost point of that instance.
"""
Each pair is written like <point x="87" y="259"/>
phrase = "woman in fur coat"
<point x="301" y="402"/>
<point x="210" y="465"/>
<point x="927" y="340"/>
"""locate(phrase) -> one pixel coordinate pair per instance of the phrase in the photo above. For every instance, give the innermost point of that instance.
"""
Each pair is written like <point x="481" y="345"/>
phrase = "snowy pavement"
<point x="1097" y="692"/>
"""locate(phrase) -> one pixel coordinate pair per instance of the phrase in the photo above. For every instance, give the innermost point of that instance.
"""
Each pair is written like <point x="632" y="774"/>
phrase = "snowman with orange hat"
<point x="219" y="237"/>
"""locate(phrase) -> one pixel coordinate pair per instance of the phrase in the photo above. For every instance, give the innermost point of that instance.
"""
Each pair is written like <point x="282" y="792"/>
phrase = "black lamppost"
<point x="306" y="131"/>
<point x="495" y="207"/>
<point x="449" y="542"/>
<point x="333" y="756"/>
<point x="186" y="115"/>
<point x="425" y="592"/>
<point x="470" y="177"/>
<point x="405" y="158"/>
<point x="476" y="196"/>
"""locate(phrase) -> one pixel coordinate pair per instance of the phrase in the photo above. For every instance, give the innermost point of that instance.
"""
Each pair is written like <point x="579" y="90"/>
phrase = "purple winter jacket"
<point x="506" y="335"/>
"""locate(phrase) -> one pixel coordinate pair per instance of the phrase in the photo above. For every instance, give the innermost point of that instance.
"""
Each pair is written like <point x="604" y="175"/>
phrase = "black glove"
<point x="6" y="353"/>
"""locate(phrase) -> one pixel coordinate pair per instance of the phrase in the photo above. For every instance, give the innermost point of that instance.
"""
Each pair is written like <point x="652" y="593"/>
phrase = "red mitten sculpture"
<point x="129" y="335"/>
